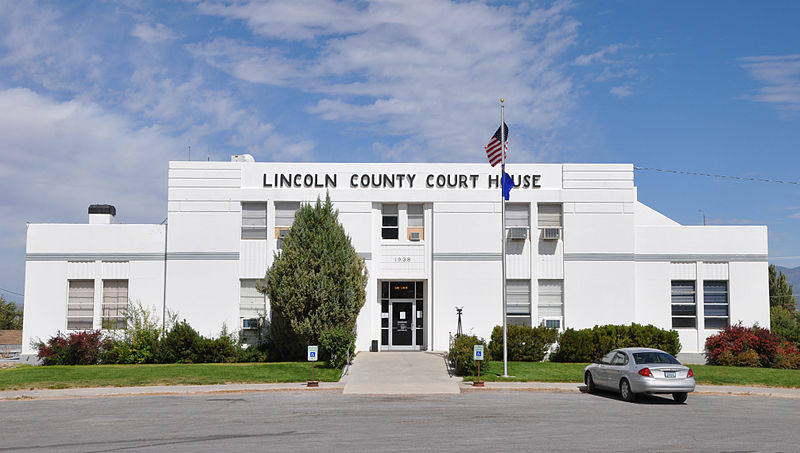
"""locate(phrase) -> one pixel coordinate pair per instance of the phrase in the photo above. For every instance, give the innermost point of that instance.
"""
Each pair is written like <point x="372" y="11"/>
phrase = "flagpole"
<point x="503" y="235"/>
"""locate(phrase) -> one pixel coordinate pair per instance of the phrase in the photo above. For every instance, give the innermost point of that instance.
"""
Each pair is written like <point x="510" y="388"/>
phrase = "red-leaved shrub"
<point x="727" y="347"/>
<point x="788" y="356"/>
<point x="76" y="348"/>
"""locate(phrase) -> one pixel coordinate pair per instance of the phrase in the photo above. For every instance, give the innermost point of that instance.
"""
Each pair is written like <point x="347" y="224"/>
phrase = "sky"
<point x="97" y="97"/>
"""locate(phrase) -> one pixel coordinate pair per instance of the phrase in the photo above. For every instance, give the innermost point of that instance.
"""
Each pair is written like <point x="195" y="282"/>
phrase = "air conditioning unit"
<point x="551" y="233"/>
<point x="415" y="236"/>
<point x="518" y="233"/>
<point x="282" y="233"/>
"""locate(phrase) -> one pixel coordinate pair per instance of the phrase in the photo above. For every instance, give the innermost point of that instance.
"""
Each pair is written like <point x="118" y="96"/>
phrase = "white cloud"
<point x="621" y="91"/>
<point x="59" y="157"/>
<point x="780" y="75"/>
<point x="429" y="73"/>
<point x="153" y="34"/>
<point x="601" y="56"/>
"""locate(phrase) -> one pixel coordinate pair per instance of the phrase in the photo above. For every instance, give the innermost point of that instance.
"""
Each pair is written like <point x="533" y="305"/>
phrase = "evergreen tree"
<point x="780" y="291"/>
<point x="316" y="284"/>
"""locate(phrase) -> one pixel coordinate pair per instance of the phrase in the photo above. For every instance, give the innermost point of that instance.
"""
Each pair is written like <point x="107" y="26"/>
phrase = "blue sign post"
<point x="477" y="354"/>
<point x="313" y="355"/>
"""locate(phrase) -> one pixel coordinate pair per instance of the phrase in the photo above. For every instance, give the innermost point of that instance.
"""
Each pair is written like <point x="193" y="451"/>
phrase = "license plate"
<point x="669" y="374"/>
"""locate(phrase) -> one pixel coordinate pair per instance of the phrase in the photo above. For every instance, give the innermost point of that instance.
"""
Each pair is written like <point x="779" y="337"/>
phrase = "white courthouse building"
<point x="581" y="250"/>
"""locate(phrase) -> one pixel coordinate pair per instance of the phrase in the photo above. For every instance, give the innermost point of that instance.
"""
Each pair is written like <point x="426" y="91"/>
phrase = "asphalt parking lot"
<point x="329" y="421"/>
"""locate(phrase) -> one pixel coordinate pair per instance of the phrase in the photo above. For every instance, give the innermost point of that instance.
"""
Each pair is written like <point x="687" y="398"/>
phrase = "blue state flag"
<point x="508" y="184"/>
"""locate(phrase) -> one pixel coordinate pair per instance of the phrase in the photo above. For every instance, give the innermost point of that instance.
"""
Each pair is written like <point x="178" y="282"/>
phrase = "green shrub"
<point x="334" y="344"/>
<point x="216" y="350"/>
<point x="525" y="344"/>
<point x="136" y="340"/>
<point x="460" y="355"/>
<point x="250" y="354"/>
<point x="180" y="344"/>
<point x="587" y="345"/>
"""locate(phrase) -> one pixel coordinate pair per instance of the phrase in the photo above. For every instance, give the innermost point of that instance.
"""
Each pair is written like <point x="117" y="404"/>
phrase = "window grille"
<point x="80" y="305"/>
<point x="115" y="304"/>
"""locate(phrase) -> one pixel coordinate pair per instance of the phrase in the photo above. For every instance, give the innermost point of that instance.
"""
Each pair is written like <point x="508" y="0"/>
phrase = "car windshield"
<point x="654" y="357"/>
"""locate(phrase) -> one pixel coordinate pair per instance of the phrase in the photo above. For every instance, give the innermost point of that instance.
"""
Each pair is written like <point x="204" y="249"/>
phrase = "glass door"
<point x="402" y="324"/>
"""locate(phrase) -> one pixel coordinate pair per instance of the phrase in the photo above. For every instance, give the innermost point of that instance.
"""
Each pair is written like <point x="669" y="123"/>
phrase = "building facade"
<point x="581" y="250"/>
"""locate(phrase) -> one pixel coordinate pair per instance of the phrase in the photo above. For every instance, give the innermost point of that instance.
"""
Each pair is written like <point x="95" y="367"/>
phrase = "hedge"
<point x="524" y="344"/>
<point x="587" y="345"/>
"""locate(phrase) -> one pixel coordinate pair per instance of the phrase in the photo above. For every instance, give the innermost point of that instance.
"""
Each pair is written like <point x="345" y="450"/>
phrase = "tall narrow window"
<point x="416" y="223"/>
<point x="389" y="226"/>
<point x="684" y="304"/>
<point x="252" y="307"/>
<point x="254" y="220"/>
<point x="518" y="301"/>
<point x="550" y="215"/>
<point x="284" y="219"/>
<point x="715" y="304"/>
<point x="551" y="302"/>
<point x="80" y="305"/>
<point x="115" y="304"/>
<point x="517" y="215"/>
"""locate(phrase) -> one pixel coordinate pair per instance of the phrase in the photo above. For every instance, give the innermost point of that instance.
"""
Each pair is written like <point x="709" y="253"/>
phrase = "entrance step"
<point x="399" y="373"/>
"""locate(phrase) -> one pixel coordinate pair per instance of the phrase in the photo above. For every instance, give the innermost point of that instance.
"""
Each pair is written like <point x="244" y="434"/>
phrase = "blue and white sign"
<point x="313" y="353"/>
<point x="477" y="352"/>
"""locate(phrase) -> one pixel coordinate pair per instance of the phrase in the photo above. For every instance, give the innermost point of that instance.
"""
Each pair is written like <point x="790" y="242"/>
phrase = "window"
<point x="715" y="304"/>
<point x="389" y="225"/>
<point x="518" y="302"/>
<point x="619" y="359"/>
<point x="80" y="305"/>
<point x="684" y="304"/>
<point x="254" y="220"/>
<point x="115" y="304"/>
<point x="517" y="215"/>
<point x="284" y="219"/>
<point x="416" y="222"/>
<point x="549" y="215"/>
<point x="252" y="307"/>
<point x="551" y="302"/>
<point x="251" y="302"/>
<point x="552" y="323"/>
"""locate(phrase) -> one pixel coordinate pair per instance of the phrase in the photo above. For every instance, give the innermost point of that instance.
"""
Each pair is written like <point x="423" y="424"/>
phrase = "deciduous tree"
<point x="10" y="315"/>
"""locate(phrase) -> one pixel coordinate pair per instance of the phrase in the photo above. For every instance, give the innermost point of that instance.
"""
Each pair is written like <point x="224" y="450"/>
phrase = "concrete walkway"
<point x="399" y="373"/>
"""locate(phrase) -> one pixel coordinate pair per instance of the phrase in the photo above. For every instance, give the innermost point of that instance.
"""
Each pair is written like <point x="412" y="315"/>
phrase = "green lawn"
<point x="38" y="377"/>
<point x="703" y="374"/>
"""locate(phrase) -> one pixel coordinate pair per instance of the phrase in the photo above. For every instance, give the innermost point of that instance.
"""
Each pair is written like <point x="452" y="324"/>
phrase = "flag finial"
<point x="501" y="100"/>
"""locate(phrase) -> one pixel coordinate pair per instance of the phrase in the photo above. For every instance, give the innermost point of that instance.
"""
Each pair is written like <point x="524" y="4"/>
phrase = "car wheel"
<point x="680" y="397"/>
<point x="626" y="392"/>
<point x="590" y="387"/>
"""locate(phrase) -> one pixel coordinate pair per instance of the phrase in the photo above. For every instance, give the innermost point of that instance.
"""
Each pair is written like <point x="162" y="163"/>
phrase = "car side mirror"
<point x="597" y="361"/>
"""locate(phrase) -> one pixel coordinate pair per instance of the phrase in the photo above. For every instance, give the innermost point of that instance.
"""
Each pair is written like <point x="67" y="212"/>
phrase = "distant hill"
<point x="793" y="278"/>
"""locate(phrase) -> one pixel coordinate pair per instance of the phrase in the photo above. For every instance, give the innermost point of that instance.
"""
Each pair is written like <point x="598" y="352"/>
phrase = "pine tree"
<point x="780" y="291"/>
<point x="316" y="284"/>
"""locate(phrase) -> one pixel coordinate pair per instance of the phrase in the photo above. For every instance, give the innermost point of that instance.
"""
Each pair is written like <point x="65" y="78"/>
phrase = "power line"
<point x="712" y="175"/>
<point x="12" y="292"/>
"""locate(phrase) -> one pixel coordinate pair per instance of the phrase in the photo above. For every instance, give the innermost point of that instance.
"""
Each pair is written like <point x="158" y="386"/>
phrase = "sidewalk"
<point x="181" y="390"/>
<point x="732" y="390"/>
<point x="399" y="373"/>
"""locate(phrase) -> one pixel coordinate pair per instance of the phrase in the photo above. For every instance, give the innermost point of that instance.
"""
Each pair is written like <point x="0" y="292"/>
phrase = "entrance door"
<point x="402" y="324"/>
<point x="402" y="315"/>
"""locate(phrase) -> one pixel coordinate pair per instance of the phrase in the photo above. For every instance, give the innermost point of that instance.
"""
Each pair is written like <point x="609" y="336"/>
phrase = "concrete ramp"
<point x="399" y="373"/>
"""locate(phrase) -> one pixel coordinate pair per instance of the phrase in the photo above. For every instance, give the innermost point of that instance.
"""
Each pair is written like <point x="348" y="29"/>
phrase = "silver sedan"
<point x="640" y="370"/>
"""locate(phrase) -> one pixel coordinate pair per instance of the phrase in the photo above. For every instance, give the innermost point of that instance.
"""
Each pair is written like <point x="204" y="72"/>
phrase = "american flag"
<point x="493" y="148"/>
